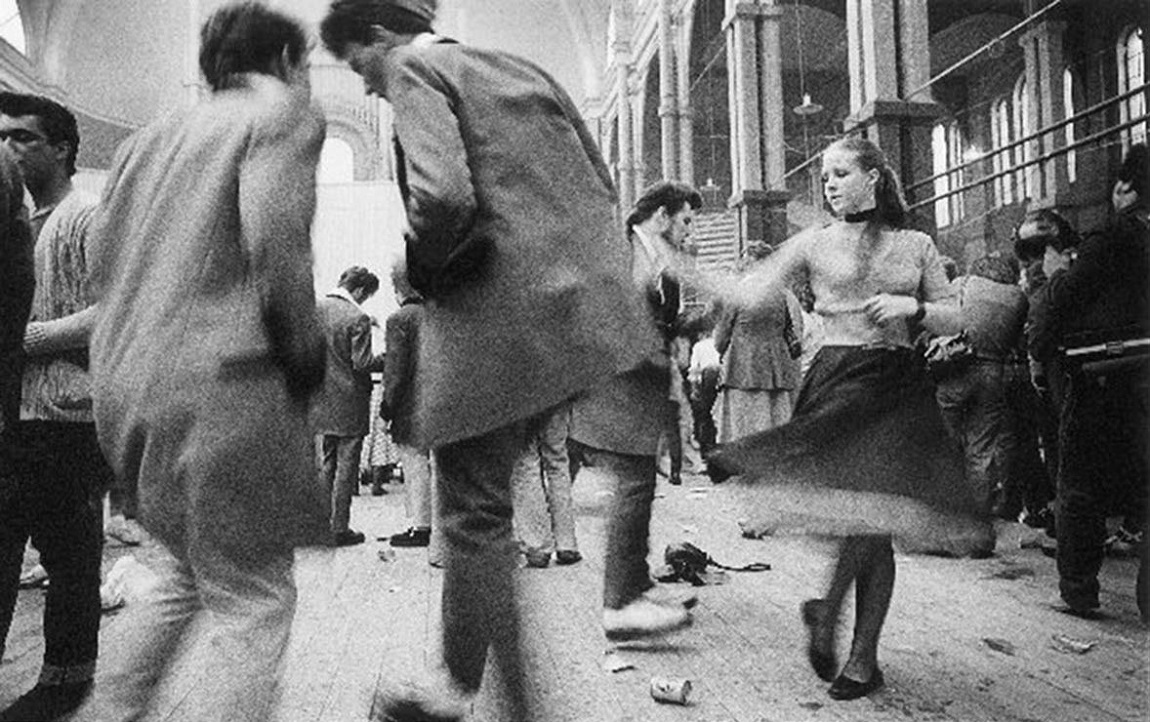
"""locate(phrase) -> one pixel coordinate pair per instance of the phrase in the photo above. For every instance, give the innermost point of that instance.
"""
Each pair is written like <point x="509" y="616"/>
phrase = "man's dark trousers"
<point x="51" y="487"/>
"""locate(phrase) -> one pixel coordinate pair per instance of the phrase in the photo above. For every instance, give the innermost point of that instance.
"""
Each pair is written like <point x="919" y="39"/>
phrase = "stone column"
<point x="668" y="97"/>
<point x="1042" y="51"/>
<point x="686" y="113"/>
<point x="192" y="81"/>
<point x="754" y="72"/>
<point x="889" y="65"/>
<point x="621" y="45"/>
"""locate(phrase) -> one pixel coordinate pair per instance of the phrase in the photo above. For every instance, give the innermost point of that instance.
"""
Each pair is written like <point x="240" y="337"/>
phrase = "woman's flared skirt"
<point x="865" y="452"/>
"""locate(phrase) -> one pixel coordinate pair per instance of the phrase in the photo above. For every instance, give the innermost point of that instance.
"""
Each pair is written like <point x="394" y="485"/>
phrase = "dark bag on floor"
<point x="688" y="562"/>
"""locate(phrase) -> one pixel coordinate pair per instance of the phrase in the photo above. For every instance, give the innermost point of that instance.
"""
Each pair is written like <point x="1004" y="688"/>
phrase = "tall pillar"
<point x="754" y="72"/>
<point x="668" y="97"/>
<point x="621" y="45"/>
<point x="192" y="55"/>
<point x="889" y="64"/>
<point x="1042" y="51"/>
<point x="686" y="113"/>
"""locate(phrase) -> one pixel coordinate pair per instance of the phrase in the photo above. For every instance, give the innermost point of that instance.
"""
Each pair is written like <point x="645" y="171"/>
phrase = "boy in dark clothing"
<point x="1105" y="293"/>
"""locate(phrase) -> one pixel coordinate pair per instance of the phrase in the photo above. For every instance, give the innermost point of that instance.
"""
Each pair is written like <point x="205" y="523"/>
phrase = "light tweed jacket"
<point x="208" y="342"/>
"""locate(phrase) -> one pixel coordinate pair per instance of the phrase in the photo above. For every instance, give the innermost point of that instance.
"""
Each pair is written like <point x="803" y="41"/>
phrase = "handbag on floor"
<point x="689" y="563"/>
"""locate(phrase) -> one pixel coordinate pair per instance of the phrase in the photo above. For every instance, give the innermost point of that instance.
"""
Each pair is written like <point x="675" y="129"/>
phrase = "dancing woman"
<point x="865" y="457"/>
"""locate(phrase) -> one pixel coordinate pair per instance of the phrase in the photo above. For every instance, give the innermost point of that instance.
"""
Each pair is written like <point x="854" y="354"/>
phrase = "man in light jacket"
<point x="204" y="356"/>
<point x="514" y="243"/>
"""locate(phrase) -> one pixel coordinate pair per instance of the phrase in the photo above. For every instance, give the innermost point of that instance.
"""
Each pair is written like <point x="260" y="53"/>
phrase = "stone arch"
<point x="370" y="159"/>
<point x="15" y="33"/>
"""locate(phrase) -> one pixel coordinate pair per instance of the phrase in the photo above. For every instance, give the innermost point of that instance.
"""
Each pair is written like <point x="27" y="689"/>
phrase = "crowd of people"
<point x="164" y="343"/>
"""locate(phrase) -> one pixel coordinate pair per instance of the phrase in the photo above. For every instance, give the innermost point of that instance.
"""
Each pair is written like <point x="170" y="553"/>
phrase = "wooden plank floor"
<point x="965" y="641"/>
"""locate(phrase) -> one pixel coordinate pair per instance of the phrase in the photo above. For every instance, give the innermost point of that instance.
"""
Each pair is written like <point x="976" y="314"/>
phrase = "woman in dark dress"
<point x="865" y="457"/>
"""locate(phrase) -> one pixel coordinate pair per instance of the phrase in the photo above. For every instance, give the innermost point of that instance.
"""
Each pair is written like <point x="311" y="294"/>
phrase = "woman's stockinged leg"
<point x="874" y="585"/>
<point x="822" y="615"/>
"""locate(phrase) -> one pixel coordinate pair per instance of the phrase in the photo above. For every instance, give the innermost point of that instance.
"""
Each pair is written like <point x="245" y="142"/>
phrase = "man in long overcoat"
<point x="514" y="241"/>
<point x="206" y="350"/>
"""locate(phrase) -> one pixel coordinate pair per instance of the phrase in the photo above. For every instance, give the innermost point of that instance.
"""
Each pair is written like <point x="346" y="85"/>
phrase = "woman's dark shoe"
<point x="822" y="661"/>
<point x="845" y="688"/>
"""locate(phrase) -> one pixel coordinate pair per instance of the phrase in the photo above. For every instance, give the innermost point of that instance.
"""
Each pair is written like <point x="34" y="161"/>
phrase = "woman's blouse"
<point x="844" y="276"/>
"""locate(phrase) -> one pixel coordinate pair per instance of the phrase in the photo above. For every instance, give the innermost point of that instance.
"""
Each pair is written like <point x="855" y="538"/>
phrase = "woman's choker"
<point x="861" y="216"/>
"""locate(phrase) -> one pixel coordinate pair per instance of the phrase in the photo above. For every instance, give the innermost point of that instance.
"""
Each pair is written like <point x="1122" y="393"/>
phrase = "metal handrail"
<point x="1032" y="162"/>
<point x="986" y="46"/>
<point x="1105" y="104"/>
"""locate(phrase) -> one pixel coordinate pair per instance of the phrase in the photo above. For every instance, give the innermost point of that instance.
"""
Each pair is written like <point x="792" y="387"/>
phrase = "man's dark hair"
<point x="1135" y="168"/>
<point x="358" y="277"/>
<point x="350" y="21"/>
<point x="57" y="122"/>
<point x="1050" y="229"/>
<point x="248" y="37"/>
<point x="671" y="195"/>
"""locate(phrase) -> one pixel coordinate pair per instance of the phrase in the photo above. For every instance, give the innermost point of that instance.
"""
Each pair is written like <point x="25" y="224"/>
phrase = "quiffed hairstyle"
<point x="1135" y="168"/>
<point x="890" y="204"/>
<point x="248" y="37"/>
<point x="351" y="21"/>
<point x="57" y="122"/>
<point x="358" y="277"/>
<point x="1051" y="229"/>
<point x="671" y="195"/>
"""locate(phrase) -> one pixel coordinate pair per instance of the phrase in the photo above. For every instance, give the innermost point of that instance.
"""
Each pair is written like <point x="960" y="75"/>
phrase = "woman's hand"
<point x="885" y="307"/>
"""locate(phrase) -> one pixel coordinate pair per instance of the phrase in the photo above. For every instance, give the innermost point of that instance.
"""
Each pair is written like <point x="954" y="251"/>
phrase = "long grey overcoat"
<point x="208" y="342"/>
<point x="494" y="148"/>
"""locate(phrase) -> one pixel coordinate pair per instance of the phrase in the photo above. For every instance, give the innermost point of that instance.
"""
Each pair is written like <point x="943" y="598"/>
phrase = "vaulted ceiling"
<point x="131" y="59"/>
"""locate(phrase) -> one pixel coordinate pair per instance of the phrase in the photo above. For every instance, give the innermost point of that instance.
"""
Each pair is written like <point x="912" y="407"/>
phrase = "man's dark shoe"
<point x="715" y="470"/>
<point x="348" y="538"/>
<point x="1040" y="519"/>
<point x="568" y="556"/>
<point x="537" y="558"/>
<point x="411" y="538"/>
<point x="47" y="702"/>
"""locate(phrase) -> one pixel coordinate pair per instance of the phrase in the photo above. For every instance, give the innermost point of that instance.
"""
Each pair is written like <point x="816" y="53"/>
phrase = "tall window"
<point x="942" y="182"/>
<point x="11" y="26"/>
<point x="1131" y="75"/>
<point x="1000" y="161"/>
<point x="1020" y="125"/>
<point x="946" y="144"/>
<point x="1069" y="130"/>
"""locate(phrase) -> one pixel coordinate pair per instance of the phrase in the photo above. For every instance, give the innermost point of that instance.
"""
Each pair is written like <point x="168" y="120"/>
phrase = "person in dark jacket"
<point x="17" y="283"/>
<point x="1036" y="402"/>
<point x="1103" y="296"/>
